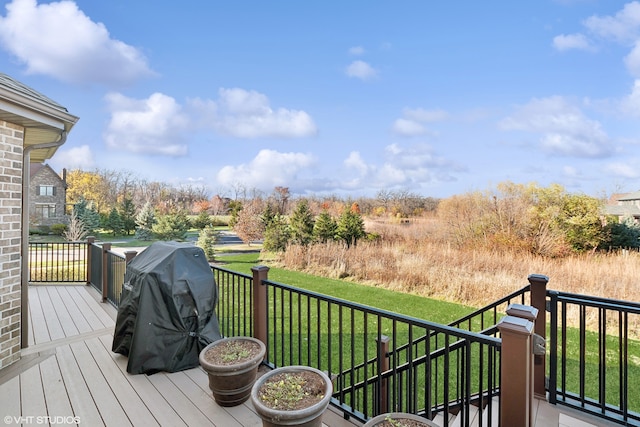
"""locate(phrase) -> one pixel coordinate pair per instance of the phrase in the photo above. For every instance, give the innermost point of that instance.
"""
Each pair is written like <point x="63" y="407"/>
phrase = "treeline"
<point x="546" y="221"/>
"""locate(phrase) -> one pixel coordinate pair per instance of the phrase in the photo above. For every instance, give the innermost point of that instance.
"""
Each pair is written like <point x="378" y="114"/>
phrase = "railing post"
<point x="259" y="318"/>
<point x="529" y="313"/>
<point x="383" y="364"/>
<point x="129" y="255"/>
<point x="90" y="241"/>
<point x="516" y="399"/>
<point x="106" y="247"/>
<point x="538" y="284"/>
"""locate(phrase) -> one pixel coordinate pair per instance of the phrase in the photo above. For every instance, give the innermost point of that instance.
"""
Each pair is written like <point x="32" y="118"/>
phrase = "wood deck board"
<point x="51" y="315"/>
<point x="133" y="406"/>
<point x="89" y="308"/>
<point x="155" y="401"/>
<point x="55" y="391"/>
<point x="67" y="322"/>
<point x="38" y="322"/>
<point x="78" y="392"/>
<point x="10" y="398"/>
<point x="188" y="411"/>
<point x="105" y="312"/>
<point x="32" y="393"/>
<point x="110" y="410"/>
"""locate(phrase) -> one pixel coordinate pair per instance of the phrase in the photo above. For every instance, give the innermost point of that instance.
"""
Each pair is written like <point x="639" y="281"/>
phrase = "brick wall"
<point x="46" y="176"/>
<point x="11" y="138"/>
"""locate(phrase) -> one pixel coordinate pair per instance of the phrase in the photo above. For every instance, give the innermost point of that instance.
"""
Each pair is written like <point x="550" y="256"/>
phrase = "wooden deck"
<point x="69" y="372"/>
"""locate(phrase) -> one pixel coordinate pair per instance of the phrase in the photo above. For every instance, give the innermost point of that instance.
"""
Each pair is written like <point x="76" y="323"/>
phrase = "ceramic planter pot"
<point x="231" y="376"/>
<point x="399" y="416"/>
<point x="310" y="416"/>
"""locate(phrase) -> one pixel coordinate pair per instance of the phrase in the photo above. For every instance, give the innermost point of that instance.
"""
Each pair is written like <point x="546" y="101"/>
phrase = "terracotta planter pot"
<point x="231" y="382"/>
<point x="399" y="416"/>
<point x="308" y="417"/>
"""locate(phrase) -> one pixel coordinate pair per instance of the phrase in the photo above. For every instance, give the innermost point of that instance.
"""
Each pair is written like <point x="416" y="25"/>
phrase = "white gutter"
<point x="24" y="288"/>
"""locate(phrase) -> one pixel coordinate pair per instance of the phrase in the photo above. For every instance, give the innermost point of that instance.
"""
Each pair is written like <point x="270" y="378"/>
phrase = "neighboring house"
<point x="47" y="195"/>
<point x="32" y="127"/>
<point x="624" y="206"/>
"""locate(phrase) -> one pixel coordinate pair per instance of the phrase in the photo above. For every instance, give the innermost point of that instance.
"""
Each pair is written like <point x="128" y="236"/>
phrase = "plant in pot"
<point x="399" y="419"/>
<point x="292" y="396"/>
<point x="232" y="366"/>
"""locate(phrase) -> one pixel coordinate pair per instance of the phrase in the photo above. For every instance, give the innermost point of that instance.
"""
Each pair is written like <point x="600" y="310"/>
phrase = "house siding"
<point x="45" y="176"/>
<point x="11" y="148"/>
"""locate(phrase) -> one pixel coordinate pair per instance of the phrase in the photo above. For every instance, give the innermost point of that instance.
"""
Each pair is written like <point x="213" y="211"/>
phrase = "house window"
<point x="45" y="210"/>
<point x="46" y="190"/>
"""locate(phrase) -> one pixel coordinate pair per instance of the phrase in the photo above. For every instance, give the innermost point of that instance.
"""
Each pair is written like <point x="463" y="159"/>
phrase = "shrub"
<point x="58" y="229"/>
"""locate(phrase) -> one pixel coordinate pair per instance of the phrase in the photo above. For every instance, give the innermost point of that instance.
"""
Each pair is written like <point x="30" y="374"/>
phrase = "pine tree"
<point x="202" y="220"/>
<point x="114" y="222"/>
<point x="276" y="235"/>
<point x="86" y="213"/>
<point x="172" y="226"/>
<point x="128" y="215"/>
<point x="324" y="228"/>
<point x="145" y="220"/>
<point x="301" y="224"/>
<point x="350" y="226"/>
<point x="206" y="240"/>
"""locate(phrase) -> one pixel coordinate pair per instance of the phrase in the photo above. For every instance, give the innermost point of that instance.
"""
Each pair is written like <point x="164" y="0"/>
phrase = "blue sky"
<point x="346" y="98"/>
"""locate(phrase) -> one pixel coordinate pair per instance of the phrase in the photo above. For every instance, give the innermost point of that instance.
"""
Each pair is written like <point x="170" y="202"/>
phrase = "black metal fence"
<point x="601" y="375"/>
<point x="379" y="361"/>
<point x="58" y="262"/>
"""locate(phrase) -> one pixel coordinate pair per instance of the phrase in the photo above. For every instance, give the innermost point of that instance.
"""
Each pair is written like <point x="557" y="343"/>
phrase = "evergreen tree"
<point x="235" y="207"/>
<point x="128" y="215"/>
<point x="268" y="214"/>
<point x="301" y="224"/>
<point x="625" y="234"/>
<point x="114" y="222"/>
<point x="350" y="226"/>
<point x="145" y="220"/>
<point x="202" y="220"/>
<point x="86" y="213"/>
<point x="276" y="235"/>
<point x="206" y="240"/>
<point x="172" y="226"/>
<point x="324" y="228"/>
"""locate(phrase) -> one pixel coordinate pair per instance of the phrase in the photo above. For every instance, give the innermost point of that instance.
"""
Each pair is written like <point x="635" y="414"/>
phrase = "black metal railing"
<point x="115" y="267"/>
<point x="601" y="375"/>
<point x="235" y="302"/>
<point x="379" y="360"/>
<point x="95" y="269"/>
<point x="490" y="315"/>
<point x="58" y="262"/>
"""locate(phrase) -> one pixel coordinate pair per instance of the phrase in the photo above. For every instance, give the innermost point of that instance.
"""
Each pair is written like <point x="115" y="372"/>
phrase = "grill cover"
<point x="166" y="314"/>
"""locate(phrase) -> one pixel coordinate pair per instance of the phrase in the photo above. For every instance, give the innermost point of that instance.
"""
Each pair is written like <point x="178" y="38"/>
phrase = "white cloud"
<point x="411" y="122"/>
<point x="248" y="114"/>
<point x="631" y="104"/>
<point x="571" y="41"/>
<point x="405" y="127"/>
<point x="73" y="158"/>
<point x="623" y="27"/>
<point x="355" y="161"/>
<point x="59" y="40"/>
<point x="361" y="70"/>
<point x="623" y="170"/>
<point x="413" y="166"/>
<point x="267" y="170"/>
<point x="356" y="50"/>
<point x="563" y="127"/>
<point x="632" y="60"/>
<point x="155" y="125"/>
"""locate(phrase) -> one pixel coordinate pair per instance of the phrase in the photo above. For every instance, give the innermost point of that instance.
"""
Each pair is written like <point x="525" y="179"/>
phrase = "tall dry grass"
<point x="417" y="258"/>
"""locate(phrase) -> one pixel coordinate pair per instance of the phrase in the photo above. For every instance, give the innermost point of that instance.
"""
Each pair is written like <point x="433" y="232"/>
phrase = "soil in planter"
<point x="401" y="422"/>
<point x="289" y="391"/>
<point x="232" y="352"/>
